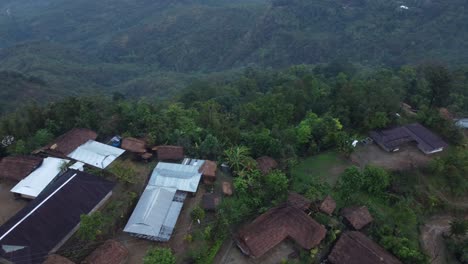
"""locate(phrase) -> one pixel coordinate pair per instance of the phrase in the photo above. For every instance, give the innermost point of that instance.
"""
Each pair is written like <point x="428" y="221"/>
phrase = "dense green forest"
<point x="287" y="114"/>
<point x="155" y="48"/>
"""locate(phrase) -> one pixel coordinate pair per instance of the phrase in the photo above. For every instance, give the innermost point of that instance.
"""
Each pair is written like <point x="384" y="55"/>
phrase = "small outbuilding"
<point x="328" y="205"/>
<point x="134" y="145"/>
<point x="208" y="170"/>
<point x="357" y="216"/>
<point x="111" y="252"/>
<point x="266" y="164"/>
<point x="167" y="152"/>
<point x="356" y="248"/>
<point x="227" y="188"/>
<point x="211" y="201"/>
<point x="16" y="168"/>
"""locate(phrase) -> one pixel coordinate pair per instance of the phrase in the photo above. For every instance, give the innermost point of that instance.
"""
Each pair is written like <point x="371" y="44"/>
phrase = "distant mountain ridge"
<point x="120" y="45"/>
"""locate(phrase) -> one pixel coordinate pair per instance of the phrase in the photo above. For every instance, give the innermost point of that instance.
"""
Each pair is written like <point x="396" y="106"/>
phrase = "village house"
<point x="328" y="205"/>
<point x="274" y="226"/>
<point x="208" y="170"/>
<point x="266" y="164"/>
<point x="31" y="186"/>
<point x="357" y="216"/>
<point x="65" y="144"/>
<point x="111" y="252"/>
<point x="211" y="201"/>
<point x="392" y="140"/>
<point x="16" y="168"/>
<point x="169" y="153"/>
<point x="158" y="209"/>
<point x="48" y="221"/>
<point x="355" y="248"/>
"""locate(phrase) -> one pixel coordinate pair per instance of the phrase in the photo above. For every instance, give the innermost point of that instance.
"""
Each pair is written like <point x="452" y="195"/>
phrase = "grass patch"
<point x="326" y="167"/>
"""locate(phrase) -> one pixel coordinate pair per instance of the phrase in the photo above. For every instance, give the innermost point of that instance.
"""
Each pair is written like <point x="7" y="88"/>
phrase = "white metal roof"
<point x="155" y="214"/>
<point x="463" y="123"/>
<point x="182" y="177"/>
<point x="96" y="154"/>
<point x="79" y="166"/>
<point x="33" y="185"/>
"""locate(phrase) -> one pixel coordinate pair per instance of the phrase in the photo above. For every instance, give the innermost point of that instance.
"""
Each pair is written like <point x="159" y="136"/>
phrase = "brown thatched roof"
<point x="208" y="170"/>
<point x="111" y="252"/>
<point x="57" y="259"/>
<point x="227" y="188"/>
<point x="169" y="152"/>
<point x="299" y="201"/>
<point x="211" y="201"/>
<point x="134" y="145"/>
<point x="355" y="248"/>
<point x="266" y="164"/>
<point x="328" y="205"/>
<point x="357" y="217"/>
<point x="68" y="142"/>
<point x="18" y="167"/>
<point x="277" y="224"/>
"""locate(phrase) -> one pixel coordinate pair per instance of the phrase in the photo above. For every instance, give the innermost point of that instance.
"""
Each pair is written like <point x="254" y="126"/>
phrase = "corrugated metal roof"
<point x="96" y="154"/>
<point x="158" y="209"/>
<point x="33" y="185"/>
<point x="463" y="123"/>
<point x="182" y="177"/>
<point x="156" y="213"/>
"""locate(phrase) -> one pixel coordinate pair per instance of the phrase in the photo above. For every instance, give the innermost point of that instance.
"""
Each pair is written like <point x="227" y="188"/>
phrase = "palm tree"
<point x="237" y="158"/>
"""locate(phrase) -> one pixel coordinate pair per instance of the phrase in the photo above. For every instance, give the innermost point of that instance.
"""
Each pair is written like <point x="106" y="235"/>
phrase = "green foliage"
<point x="210" y="148"/>
<point x="91" y="226"/>
<point x="401" y="247"/>
<point x="459" y="227"/>
<point x="238" y="158"/>
<point x="159" y="256"/>
<point x="452" y="171"/>
<point x="197" y="214"/>
<point x="124" y="172"/>
<point x="459" y="248"/>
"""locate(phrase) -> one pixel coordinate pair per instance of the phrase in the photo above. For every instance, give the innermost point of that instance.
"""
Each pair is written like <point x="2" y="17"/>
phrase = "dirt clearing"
<point x="407" y="158"/>
<point x="9" y="206"/>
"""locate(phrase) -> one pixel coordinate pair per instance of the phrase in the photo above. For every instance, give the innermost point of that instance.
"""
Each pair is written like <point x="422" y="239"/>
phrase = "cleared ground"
<point x="325" y="167"/>
<point x="408" y="157"/>
<point x="8" y="205"/>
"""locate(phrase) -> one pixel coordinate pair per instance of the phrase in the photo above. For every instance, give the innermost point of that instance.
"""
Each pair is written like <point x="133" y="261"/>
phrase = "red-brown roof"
<point x="227" y="188"/>
<point x="111" y="252"/>
<point x="208" y="170"/>
<point x="18" y="167"/>
<point x="134" y="145"/>
<point x="277" y="224"/>
<point x="57" y="259"/>
<point x="68" y="142"/>
<point x="146" y="156"/>
<point x="169" y="152"/>
<point x="299" y="201"/>
<point x="355" y="248"/>
<point x="266" y="164"/>
<point x="328" y="205"/>
<point x="211" y="201"/>
<point x="357" y="217"/>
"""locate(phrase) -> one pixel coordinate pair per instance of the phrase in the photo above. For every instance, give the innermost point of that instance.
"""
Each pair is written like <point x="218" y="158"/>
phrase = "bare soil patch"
<point x="9" y="206"/>
<point x="407" y="158"/>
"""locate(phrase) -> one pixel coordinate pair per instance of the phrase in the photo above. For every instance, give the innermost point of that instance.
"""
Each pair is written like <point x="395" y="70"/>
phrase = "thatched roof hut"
<point x="65" y="144"/>
<point x="208" y="170"/>
<point x="357" y="216"/>
<point x="328" y="205"/>
<point x="227" y="188"/>
<point x="266" y="164"/>
<point x="134" y="145"/>
<point x="298" y="201"/>
<point x="211" y="201"/>
<point x="17" y="168"/>
<point x="169" y="152"/>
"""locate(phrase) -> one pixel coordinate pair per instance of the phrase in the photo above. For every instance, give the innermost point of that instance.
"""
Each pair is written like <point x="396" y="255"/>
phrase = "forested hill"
<point x="128" y="46"/>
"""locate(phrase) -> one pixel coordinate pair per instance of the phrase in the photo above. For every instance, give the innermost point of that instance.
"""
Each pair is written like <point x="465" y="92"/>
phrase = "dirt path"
<point x="432" y="237"/>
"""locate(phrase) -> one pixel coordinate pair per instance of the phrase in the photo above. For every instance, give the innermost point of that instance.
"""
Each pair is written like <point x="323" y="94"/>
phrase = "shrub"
<point x="159" y="256"/>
